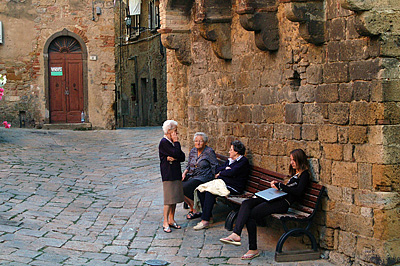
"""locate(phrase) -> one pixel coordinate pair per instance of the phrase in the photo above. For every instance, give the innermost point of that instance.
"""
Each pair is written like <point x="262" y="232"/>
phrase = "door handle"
<point x="66" y="91"/>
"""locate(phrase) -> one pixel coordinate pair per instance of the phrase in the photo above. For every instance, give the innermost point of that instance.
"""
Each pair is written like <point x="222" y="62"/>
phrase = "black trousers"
<point x="207" y="201"/>
<point x="254" y="209"/>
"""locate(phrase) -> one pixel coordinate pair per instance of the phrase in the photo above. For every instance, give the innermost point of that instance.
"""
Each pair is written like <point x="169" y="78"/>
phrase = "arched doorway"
<point x="66" y="93"/>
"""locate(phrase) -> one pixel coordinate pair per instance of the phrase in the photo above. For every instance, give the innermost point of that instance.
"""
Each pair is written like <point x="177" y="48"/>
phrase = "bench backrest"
<point x="260" y="179"/>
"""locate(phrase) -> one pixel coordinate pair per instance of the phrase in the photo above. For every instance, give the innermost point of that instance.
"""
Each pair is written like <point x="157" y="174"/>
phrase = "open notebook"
<point x="270" y="194"/>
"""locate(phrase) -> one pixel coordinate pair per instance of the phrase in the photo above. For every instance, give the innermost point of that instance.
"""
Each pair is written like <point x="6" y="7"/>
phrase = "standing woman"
<point x="171" y="157"/>
<point x="254" y="209"/>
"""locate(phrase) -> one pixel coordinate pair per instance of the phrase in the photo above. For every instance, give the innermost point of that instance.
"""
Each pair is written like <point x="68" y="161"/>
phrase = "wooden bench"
<point x="302" y="212"/>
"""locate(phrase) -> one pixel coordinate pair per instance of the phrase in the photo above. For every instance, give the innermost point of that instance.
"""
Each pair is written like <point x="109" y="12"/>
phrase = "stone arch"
<point x="46" y="47"/>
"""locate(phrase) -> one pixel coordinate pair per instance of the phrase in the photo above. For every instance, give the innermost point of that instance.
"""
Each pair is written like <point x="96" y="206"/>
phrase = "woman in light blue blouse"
<point x="200" y="169"/>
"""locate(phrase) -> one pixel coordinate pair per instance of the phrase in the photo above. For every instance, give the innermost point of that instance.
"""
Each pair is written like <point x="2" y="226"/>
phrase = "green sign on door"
<point x="56" y="71"/>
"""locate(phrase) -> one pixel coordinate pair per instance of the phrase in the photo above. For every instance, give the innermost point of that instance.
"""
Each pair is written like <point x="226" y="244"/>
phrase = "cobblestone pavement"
<point x="95" y="198"/>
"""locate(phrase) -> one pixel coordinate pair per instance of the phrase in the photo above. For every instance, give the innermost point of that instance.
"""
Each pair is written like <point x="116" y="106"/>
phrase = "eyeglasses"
<point x="199" y="141"/>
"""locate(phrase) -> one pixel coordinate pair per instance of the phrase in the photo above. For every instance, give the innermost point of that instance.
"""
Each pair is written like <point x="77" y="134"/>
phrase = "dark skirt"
<point x="173" y="192"/>
<point x="189" y="186"/>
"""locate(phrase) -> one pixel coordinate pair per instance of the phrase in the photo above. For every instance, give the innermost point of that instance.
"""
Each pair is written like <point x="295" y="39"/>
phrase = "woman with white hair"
<point x="171" y="157"/>
<point x="200" y="169"/>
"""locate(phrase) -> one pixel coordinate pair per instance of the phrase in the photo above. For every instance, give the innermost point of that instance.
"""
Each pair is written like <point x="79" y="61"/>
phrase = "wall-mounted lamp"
<point x="1" y="32"/>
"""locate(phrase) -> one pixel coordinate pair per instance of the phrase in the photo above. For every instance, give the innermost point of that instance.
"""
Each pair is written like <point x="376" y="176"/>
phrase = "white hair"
<point x="169" y="125"/>
<point x="201" y="134"/>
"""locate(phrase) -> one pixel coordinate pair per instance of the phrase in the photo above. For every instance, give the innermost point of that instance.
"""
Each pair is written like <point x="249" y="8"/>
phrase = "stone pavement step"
<point x="95" y="198"/>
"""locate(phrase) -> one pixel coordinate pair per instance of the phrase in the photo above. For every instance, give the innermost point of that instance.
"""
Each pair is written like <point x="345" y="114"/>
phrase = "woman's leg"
<point x="171" y="214"/>
<point x="208" y="205"/>
<point x="244" y="213"/>
<point x="258" y="212"/>
<point x="165" y="215"/>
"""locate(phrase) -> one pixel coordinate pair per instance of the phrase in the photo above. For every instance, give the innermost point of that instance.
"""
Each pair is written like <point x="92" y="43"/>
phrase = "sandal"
<point x="167" y="229"/>
<point x="192" y="215"/>
<point x="229" y="240"/>
<point x="175" y="225"/>
<point x="250" y="256"/>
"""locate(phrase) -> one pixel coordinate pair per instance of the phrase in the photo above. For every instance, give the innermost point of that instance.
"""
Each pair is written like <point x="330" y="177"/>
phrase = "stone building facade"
<point x="141" y="64"/>
<point x="58" y="56"/>
<point x="323" y="76"/>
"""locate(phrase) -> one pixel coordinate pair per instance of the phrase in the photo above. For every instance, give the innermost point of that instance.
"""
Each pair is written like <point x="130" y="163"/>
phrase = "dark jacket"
<point x="203" y="167"/>
<point x="296" y="186"/>
<point x="236" y="177"/>
<point x="170" y="171"/>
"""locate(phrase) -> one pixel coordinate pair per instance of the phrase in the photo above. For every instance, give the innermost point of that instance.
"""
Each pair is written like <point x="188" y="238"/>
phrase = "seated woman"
<point x="234" y="173"/>
<point x="200" y="169"/>
<point x="256" y="208"/>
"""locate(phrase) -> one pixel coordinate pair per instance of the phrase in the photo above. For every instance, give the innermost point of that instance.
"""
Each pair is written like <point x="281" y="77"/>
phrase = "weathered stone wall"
<point x="27" y="25"/>
<point x="324" y="77"/>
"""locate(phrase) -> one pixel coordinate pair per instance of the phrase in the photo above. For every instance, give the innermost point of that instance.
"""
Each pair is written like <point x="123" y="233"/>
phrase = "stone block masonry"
<point x="335" y="95"/>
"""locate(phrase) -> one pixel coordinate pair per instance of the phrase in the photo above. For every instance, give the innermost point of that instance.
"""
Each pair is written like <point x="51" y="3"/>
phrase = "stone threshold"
<point x="71" y="126"/>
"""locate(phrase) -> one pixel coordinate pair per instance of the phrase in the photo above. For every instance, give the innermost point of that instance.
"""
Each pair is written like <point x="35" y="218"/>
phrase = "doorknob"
<point x="66" y="91"/>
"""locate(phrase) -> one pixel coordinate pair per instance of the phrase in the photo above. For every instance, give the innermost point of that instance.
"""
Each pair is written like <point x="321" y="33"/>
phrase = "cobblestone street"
<point x="95" y="198"/>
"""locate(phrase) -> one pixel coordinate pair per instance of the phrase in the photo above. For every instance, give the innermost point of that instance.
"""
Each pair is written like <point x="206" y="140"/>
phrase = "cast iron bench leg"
<point x="230" y="219"/>
<point x="296" y="232"/>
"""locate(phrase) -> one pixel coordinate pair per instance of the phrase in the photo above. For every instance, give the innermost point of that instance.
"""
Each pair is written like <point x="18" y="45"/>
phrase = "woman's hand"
<point x="273" y="184"/>
<point x="170" y="159"/>
<point x="184" y="175"/>
<point x="174" y="136"/>
<point x="217" y="175"/>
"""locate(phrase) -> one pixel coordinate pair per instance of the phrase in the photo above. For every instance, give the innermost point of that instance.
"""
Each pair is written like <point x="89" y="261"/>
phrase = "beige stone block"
<point x="375" y="135"/>
<point x="327" y="133"/>
<point x="266" y="131"/>
<point x="335" y="219"/>
<point x="314" y="169"/>
<point x="258" y="146"/>
<point x="348" y="195"/>
<point x="338" y="258"/>
<point x="348" y="153"/>
<point x="274" y="113"/>
<point x="269" y="162"/>
<point x="376" y="251"/>
<point x="277" y="148"/>
<point x="376" y="200"/>
<point x="391" y="135"/>
<point x="343" y="207"/>
<point x="383" y="175"/>
<point x="367" y="212"/>
<point x="297" y="132"/>
<point x="283" y="164"/>
<point x="283" y="132"/>
<point x="357" y="134"/>
<point x="343" y="135"/>
<point x="347" y="243"/>
<point x="363" y="113"/>
<point x="333" y="151"/>
<point x="365" y="176"/>
<point x="315" y="113"/>
<point x="326" y="172"/>
<point x="387" y="224"/>
<point x="326" y="237"/>
<point x="344" y="174"/>
<point x="313" y="149"/>
<point x="334" y="193"/>
<point x="369" y="153"/>
<point x="309" y="132"/>
<point x="359" y="225"/>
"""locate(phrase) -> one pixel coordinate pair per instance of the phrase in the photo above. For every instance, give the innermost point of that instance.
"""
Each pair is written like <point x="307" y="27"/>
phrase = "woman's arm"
<point x="298" y="186"/>
<point x="236" y="168"/>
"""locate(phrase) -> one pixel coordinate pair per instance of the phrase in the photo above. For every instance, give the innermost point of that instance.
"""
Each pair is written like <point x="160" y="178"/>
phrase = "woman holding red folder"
<point x="254" y="209"/>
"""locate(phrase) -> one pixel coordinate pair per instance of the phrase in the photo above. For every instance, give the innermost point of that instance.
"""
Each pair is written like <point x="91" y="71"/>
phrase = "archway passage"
<point x="65" y="80"/>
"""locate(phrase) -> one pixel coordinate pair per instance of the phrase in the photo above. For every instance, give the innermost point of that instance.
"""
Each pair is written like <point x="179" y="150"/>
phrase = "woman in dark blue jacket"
<point x="171" y="157"/>
<point x="254" y="209"/>
<point x="234" y="173"/>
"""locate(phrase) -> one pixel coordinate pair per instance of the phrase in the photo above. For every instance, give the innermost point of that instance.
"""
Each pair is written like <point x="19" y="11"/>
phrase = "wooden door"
<point x="66" y="81"/>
